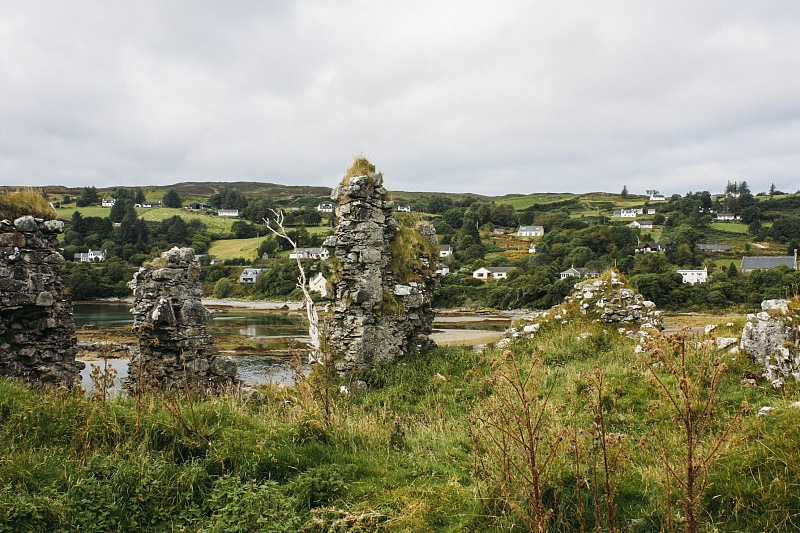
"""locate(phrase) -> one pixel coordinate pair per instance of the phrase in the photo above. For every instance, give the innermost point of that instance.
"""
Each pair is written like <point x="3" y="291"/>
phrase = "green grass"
<point x="730" y="227"/>
<point x="231" y="248"/>
<point x="215" y="224"/>
<point x="399" y="456"/>
<point x="522" y="202"/>
<point x="65" y="213"/>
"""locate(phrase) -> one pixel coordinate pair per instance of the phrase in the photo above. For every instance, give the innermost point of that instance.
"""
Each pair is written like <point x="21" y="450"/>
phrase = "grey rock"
<point x="26" y="224"/>
<point x="771" y="340"/>
<point x="765" y="411"/>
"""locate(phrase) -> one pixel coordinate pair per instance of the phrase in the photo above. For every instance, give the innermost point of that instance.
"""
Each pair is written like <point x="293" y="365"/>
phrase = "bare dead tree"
<point x="302" y="284"/>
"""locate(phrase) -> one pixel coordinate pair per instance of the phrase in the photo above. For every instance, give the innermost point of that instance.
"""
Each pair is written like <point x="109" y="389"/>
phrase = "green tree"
<point x="624" y="193"/>
<point x="172" y="199"/>
<point x="88" y="197"/>
<point x="243" y="229"/>
<point x="223" y="288"/>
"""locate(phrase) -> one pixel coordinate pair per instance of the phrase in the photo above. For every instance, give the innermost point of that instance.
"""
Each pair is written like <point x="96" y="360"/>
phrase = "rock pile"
<point x="771" y="339"/>
<point x="607" y="299"/>
<point x="170" y="322"/>
<point x="37" y="334"/>
<point x="384" y="286"/>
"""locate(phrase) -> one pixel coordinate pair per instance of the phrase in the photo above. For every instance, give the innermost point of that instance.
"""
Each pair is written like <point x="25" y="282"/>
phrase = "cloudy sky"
<point x="462" y="96"/>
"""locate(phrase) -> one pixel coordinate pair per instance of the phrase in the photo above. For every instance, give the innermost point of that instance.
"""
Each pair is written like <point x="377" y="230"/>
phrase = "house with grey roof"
<point x="530" y="231"/>
<point x="251" y="275"/>
<point x="750" y="263"/>
<point x="578" y="272"/>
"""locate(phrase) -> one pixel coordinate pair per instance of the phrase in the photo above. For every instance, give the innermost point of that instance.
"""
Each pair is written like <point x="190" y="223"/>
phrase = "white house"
<point x="228" y="212"/>
<point x="532" y="249"/>
<point x="694" y="276"/>
<point x="577" y="273"/>
<point x="651" y="211"/>
<point x="485" y="273"/>
<point x="443" y="269"/>
<point x="109" y="202"/>
<point x="643" y="224"/>
<point x="326" y="207"/>
<point x="445" y="250"/>
<point x="404" y="208"/>
<point x="727" y="216"/>
<point x="92" y="256"/>
<point x="310" y="253"/>
<point x="151" y="204"/>
<point x="657" y="197"/>
<point x="652" y="247"/>
<point x="319" y="284"/>
<point x="530" y="231"/>
<point x="625" y="213"/>
<point x="250" y="275"/>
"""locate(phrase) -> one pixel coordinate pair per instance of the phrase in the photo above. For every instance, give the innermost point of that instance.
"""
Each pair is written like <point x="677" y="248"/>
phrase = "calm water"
<point x="271" y="333"/>
<point x="247" y="323"/>
<point x="281" y="330"/>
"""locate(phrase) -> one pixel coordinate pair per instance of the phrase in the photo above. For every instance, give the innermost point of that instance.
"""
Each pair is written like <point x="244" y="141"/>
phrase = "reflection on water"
<point x="247" y="323"/>
<point x="253" y="370"/>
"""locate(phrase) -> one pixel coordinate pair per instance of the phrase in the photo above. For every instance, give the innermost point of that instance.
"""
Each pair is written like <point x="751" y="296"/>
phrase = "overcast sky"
<point x="460" y="96"/>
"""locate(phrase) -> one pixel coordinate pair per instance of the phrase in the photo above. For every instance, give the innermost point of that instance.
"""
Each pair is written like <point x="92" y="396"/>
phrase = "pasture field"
<point x="232" y="248"/>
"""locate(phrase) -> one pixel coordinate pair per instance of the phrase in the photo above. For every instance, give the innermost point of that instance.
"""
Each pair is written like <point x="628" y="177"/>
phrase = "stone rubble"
<point x="37" y="334"/>
<point x="601" y="300"/>
<point x="770" y="338"/>
<point x="170" y="322"/>
<point x="377" y="315"/>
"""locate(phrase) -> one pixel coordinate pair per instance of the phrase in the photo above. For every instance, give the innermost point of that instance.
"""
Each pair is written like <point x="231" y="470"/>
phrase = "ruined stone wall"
<point x="171" y="322"/>
<point x="382" y="299"/>
<point x="37" y="334"/>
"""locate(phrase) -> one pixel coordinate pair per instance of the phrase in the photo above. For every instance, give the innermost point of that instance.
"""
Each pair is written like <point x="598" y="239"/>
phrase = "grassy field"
<point x="522" y="202"/>
<point x="215" y="224"/>
<point x="231" y="248"/>
<point x="418" y="450"/>
<point x="730" y="227"/>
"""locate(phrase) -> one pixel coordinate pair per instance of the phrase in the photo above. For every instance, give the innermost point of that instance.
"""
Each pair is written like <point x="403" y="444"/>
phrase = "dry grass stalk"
<point x="687" y="377"/>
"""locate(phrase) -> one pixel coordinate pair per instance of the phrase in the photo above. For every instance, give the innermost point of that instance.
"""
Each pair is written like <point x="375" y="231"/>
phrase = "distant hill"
<point x="286" y="194"/>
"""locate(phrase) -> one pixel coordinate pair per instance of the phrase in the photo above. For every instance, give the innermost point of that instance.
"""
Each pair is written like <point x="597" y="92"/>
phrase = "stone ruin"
<point x="170" y="321"/>
<point x="383" y="290"/>
<point x="37" y="334"/>
<point x="771" y="338"/>
<point x="607" y="299"/>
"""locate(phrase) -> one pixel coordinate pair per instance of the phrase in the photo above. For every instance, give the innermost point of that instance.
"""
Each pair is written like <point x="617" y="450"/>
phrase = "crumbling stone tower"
<point x="384" y="285"/>
<point x="37" y="334"/>
<point x="171" y="322"/>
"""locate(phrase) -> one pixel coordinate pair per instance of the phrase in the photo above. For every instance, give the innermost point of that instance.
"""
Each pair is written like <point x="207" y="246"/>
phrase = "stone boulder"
<point x="771" y="338"/>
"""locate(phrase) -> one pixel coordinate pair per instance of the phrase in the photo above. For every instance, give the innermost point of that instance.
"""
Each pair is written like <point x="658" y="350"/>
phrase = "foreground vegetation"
<point x="441" y="441"/>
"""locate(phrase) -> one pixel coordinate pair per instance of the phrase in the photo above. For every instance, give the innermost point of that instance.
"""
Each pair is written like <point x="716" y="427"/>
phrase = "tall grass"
<point x="23" y="202"/>
<point x="396" y="457"/>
